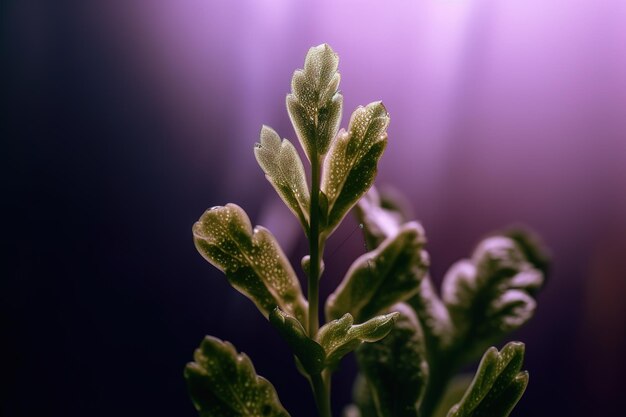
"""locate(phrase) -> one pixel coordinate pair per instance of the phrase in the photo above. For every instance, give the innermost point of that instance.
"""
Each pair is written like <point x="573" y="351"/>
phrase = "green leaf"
<point x="283" y="169"/>
<point x="314" y="104"/>
<point x="497" y="386"/>
<point x="383" y="277"/>
<point x="433" y="316"/>
<point x="223" y="383"/>
<point x="532" y="246"/>
<point x="310" y="354"/>
<point x="489" y="295"/>
<point x="352" y="162"/>
<point x="252" y="260"/>
<point x="340" y="337"/>
<point x="396" y="368"/>
<point x="380" y="216"/>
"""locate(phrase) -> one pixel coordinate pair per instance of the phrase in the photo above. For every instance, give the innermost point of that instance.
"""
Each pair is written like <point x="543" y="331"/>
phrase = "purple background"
<point x="126" y="119"/>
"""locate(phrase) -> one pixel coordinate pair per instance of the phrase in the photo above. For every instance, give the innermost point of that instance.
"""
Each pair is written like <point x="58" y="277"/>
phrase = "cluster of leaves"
<point x="483" y="298"/>
<point x="409" y="341"/>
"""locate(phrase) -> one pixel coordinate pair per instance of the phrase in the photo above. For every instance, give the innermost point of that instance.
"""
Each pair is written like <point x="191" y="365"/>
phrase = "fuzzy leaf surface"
<point x="383" y="277"/>
<point x="352" y="162"/>
<point x="283" y="169"/>
<point x="310" y="354"/>
<point x="497" y="386"/>
<point x="490" y="294"/>
<point x="252" y="260"/>
<point x="396" y="368"/>
<point x="340" y="337"/>
<point x="314" y="104"/>
<point x="223" y="383"/>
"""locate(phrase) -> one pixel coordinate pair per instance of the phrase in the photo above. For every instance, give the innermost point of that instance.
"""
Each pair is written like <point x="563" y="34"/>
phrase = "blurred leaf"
<point x="489" y="295"/>
<point x="223" y="383"/>
<point x="497" y="386"/>
<point x="314" y="104"/>
<point x="252" y="260"/>
<point x="352" y="410"/>
<point x="340" y="337"/>
<point x="382" y="216"/>
<point x="380" y="278"/>
<point x="532" y="246"/>
<point x="378" y="222"/>
<point x="283" y="169"/>
<point x="363" y="403"/>
<point x="453" y="394"/>
<point x="351" y="165"/>
<point x="433" y="316"/>
<point x="307" y="350"/>
<point x="396" y="368"/>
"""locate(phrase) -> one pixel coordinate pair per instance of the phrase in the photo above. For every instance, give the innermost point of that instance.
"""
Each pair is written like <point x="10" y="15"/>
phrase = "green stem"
<point x="440" y="375"/>
<point x="433" y="394"/>
<point x="321" y="385"/>
<point x="314" y="246"/>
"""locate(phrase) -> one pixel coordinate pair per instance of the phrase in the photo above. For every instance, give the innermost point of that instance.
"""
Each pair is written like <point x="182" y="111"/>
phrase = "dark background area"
<point x="125" y="120"/>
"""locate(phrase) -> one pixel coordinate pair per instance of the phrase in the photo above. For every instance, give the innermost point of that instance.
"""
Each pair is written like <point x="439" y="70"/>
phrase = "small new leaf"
<point x="383" y="277"/>
<point x="352" y="162"/>
<point x="497" y="386"/>
<point x="490" y="295"/>
<point x="314" y="104"/>
<point x="306" y="265"/>
<point x="252" y="260"/>
<point x="310" y="354"/>
<point x="283" y="169"/>
<point x="396" y="368"/>
<point x="340" y="337"/>
<point x="223" y="383"/>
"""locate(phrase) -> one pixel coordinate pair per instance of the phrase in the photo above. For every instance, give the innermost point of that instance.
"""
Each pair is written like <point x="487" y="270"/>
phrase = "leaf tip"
<point x="522" y="378"/>
<point x="514" y="348"/>
<point x="392" y="316"/>
<point x="276" y="316"/>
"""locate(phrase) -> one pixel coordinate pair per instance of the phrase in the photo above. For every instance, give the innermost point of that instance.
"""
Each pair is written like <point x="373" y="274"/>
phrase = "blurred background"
<point x="125" y="120"/>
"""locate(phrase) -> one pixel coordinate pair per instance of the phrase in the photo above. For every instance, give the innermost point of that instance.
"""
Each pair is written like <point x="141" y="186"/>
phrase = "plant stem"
<point x="314" y="246"/>
<point x="440" y="375"/>
<point x="321" y="385"/>
<point x="322" y="395"/>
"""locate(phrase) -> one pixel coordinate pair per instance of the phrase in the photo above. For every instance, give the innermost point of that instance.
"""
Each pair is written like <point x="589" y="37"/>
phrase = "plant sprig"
<point x="409" y="341"/>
